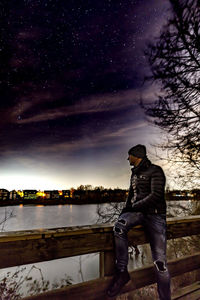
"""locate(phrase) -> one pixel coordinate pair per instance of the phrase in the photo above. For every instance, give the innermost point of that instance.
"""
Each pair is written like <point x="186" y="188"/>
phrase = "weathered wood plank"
<point x="195" y="295"/>
<point x="95" y="289"/>
<point x="192" y="296"/>
<point x="186" y="292"/>
<point x="23" y="247"/>
<point x="30" y="251"/>
<point x="106" y="263"/>
<point x="53" y="232"/>
<point x="192" y="222"/>
<point x="181" y="227"/>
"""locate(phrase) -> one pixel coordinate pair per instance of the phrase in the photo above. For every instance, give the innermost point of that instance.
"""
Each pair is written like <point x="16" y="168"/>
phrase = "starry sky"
<point x="71" y="80"/>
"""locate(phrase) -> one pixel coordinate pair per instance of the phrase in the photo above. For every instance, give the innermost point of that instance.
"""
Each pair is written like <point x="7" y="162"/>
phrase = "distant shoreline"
<point x="69" y="201"/>
<point x="55" y="202"/>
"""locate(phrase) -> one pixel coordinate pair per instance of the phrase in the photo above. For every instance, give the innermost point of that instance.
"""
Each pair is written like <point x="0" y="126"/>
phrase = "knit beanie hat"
<point x="138" y="151"/>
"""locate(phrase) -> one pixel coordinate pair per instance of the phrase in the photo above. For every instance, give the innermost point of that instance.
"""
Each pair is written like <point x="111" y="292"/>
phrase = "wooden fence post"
<point x="106" y="263"/>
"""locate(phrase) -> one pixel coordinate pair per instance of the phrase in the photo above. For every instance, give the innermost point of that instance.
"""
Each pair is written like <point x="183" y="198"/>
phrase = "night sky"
<point x="71" y="79"/>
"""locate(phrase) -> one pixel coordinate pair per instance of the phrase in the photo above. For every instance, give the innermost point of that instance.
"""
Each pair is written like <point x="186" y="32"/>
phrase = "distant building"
<point x="4" y="195"/>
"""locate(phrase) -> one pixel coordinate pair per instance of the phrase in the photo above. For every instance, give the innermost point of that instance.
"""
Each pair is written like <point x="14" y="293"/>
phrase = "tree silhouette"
<point x="175" y="64"/>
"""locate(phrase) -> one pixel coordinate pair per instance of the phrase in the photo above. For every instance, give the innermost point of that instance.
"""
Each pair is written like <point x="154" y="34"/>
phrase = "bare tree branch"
<point x="174" y="59"/>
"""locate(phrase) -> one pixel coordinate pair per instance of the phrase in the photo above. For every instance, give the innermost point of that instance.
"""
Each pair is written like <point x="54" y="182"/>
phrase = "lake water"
<point x="32" y="217"/>
<point x="22" y="217"/>
<point x="78" y="268"/>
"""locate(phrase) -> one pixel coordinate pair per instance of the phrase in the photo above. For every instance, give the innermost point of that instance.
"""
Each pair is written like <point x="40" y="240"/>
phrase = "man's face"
<point x="133" y="160"/>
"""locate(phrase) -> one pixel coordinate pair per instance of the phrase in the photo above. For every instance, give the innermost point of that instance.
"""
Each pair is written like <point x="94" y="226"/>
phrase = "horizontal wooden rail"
<point x="95" y="289"/>
<point x="190" y="292"/>
<point x="24" y="247"/>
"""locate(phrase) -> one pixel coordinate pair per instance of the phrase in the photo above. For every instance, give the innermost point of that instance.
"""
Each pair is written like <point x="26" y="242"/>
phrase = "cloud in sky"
<point x="73" y="78"/>
<point x="92" y="104"/>
<point x="99" y="160"/>
<point x="91" y="122"/>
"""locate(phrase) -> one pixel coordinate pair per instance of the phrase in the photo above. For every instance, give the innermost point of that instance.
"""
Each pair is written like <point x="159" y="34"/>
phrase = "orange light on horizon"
<point x="41" y="194"/>
<point x="21" y="193"/>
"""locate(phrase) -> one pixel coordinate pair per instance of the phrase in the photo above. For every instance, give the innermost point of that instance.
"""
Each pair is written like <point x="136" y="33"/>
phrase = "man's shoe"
<point x="118" y="281"/>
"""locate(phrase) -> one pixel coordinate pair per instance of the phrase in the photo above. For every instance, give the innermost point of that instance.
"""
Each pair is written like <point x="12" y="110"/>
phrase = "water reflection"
<point x="84" y="267"/>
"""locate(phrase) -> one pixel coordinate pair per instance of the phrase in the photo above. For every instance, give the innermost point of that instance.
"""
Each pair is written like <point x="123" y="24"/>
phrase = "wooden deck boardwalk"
<point x="24" y="247"/>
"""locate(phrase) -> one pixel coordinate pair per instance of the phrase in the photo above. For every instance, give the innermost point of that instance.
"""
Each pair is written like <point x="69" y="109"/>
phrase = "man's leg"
<point x="156" y="228"/>
<point x="125" y="222"/>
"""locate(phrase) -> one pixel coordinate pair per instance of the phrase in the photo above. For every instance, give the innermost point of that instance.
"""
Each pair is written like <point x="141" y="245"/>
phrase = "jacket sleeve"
<point x="128" y="205"/>
<point x="157" y="191"/>
<point x="129" y="197"/>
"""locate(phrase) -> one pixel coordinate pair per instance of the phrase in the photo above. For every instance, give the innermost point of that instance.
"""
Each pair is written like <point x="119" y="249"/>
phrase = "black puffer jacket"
<point x="147" y="189"/>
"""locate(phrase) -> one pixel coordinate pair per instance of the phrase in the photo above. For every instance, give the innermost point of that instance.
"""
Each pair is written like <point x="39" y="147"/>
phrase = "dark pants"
<point x="155" y="228"/>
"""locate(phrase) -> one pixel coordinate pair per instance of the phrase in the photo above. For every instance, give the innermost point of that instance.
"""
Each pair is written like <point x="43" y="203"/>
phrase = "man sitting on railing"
<point x="145" y="205"/>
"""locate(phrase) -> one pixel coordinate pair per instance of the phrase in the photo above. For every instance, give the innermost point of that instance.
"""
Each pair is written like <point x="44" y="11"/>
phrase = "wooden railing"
<point x="25" y="247"/>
